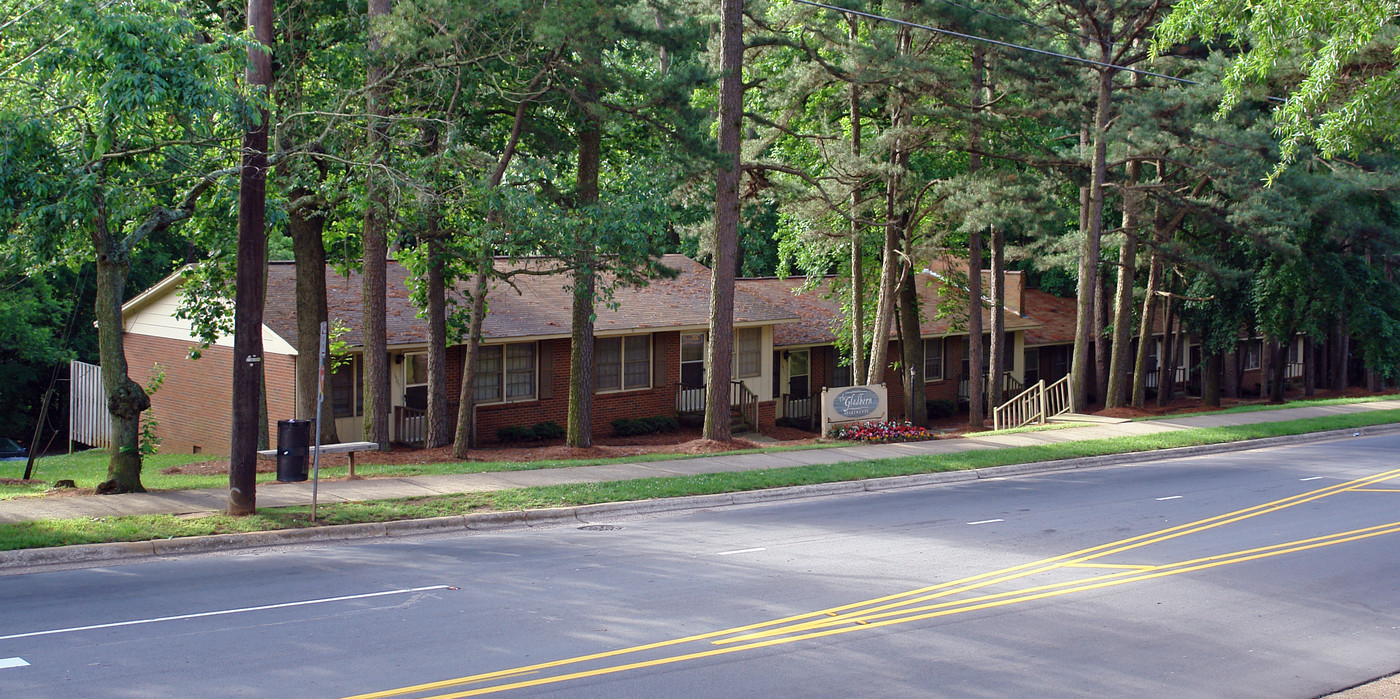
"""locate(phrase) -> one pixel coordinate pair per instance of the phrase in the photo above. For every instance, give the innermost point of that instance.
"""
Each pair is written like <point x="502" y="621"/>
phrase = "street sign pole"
<point x="320" y="398"/>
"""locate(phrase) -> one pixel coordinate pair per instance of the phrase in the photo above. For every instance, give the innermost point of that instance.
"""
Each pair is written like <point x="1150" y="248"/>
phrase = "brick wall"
<point x="195" y="404"/>
<point x="553" y="402"/>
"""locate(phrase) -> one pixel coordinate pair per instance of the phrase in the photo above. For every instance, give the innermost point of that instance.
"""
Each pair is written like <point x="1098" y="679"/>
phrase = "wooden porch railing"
<point x="1036" y="404"/>
<point x="1009" y="385"/>
<point x="746" y="401"/>
<point x="690" y="399"/>
<point x="797" y="408"/>
<point x="410" y="426"/>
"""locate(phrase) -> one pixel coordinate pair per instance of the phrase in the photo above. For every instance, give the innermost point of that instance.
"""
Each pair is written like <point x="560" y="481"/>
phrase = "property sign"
<point x="854" y="404"/>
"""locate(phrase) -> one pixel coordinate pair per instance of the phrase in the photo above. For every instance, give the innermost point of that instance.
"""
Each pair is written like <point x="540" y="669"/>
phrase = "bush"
<point x="941" y="408"/>
<point x="548" y="430"/>
<point x="516" y="433"/>
<point x="629" y="427"/>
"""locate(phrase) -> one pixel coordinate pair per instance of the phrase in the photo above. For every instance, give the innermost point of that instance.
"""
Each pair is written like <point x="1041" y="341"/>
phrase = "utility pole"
<point x="252" y="261"/>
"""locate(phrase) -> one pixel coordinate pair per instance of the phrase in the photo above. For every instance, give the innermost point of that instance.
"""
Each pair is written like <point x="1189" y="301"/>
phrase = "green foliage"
<point x="516" y="433"/>
<point x="628" y="427"/>
<point x="149" y="443"/>
<point x="938" y="409"/>
<point x="548" y="430"/>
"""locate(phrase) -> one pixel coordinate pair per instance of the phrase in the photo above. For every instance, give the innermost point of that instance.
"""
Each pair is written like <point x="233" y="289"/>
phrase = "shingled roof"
<point x="1056" y="316"/>
<point x="532" y="305"/>
<point x="818" y="310"/>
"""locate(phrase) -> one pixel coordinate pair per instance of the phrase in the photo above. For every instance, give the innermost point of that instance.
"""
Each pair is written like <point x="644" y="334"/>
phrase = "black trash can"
<point x="293" y="446"/>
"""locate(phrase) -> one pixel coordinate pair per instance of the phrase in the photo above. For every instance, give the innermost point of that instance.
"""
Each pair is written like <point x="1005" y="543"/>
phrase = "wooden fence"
<point x="88" y="420"/>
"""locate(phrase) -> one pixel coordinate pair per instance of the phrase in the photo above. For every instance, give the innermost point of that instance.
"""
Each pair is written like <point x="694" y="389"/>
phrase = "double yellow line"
<point x="931" y="602"/>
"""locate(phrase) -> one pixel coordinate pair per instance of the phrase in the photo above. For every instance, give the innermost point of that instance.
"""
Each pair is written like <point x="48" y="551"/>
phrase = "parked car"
<point x="10" y="451"/>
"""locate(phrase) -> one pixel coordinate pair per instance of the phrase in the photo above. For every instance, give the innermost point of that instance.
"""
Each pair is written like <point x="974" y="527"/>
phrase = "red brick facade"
<point x="195" y="404"/>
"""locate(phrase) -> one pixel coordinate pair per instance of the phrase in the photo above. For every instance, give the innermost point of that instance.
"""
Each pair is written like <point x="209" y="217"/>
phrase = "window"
<point x="933" y="359"/>
<point x="415" y="381"/>
<point x="693" y="360"/>
<point x="1252" y="352"/>
<point x="747" y="357"/>
<point x="504" y="373"/>
<point x="347" y="391"/>
<point x="1031" y="372"/>
<point x="622" y="363"/>
<point x="841" y="375"/>
<point x="799" y="366"/>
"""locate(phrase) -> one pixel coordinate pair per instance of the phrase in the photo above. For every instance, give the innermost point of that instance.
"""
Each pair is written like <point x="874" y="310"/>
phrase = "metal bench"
<point x="347" y="448"/>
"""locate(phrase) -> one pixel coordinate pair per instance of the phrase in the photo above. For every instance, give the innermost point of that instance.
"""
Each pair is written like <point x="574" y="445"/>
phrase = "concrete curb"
<point x="584" y="514"/>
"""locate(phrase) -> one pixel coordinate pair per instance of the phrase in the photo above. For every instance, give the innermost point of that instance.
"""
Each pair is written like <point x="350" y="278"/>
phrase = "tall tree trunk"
<point x="1339" y="358"/>
<point x="439" y="432"/>
<point x="719" y="365"/>
<point x="1309" y="366"/>
<point x="1166" y="371"/>
<point x="889" y="255"/>
<point x="1278" y="368"/>
<point x="466" y="402"/>
<point x="375" y="246"/>
<point x="998" y="337"/>
<point x="590" y="153"/>
<point x="125" y="398"/>
<point x="976" y="373"/>
<point x="1093" y="231"/>
<point x="1232" y="374"/>
<point x="1145" y="338"/>
<point x="911" y="341"/>
<point x="1210" y="383"/>
<point x="858" y="368"/>
<point x="251" y="268"/>
<point x="1101" y="340"/>
<point x="1116" y="396"/>
<point x="305" y="225"/>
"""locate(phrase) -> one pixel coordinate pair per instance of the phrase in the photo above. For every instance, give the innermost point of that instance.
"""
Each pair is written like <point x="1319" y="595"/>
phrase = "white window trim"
<point x="501" y="397"/>
<point x="622" y="365"/>
<point x="1258" y="357"/>
<point x="758" y="351"/>
<point x="942" y="358"/>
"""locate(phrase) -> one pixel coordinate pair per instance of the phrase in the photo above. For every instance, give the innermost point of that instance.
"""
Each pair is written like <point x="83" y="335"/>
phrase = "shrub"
<point x="881" y="432"/>
<point x="516" y="433"/>
<point x="628" y="427"/>
<point x="548" y="430"/>
<point x="941" y="408"/>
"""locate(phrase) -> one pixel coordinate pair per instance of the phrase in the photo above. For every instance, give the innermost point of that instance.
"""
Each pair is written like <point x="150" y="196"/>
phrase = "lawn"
<point x="78" y="531"/>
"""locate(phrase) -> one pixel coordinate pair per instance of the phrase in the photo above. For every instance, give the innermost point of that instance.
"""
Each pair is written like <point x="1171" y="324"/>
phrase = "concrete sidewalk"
<point x="189" y="502"/>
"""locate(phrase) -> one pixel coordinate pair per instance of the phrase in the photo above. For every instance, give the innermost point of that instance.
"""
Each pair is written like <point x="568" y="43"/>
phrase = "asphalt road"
<point x="1268" y="573"/>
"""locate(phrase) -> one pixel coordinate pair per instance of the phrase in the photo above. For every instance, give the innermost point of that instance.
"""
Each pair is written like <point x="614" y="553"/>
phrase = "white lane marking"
<point x="1170" y="497"/>
<point x="1310" y="479"/>
<point x="282" y="605"/>
<point x="12" y="662"/>
<point x="987" y="521"/>
<point x="731" y="553"/>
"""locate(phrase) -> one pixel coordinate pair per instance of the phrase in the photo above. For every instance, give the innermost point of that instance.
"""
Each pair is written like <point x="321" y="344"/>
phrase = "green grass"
<point x="1258" y="407"/>
<point x="88" y="468"/>
<point x="142" y="528"/>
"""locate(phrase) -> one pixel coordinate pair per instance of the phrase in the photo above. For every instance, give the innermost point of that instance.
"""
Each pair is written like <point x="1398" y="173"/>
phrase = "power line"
<point x="1004" y="44"/>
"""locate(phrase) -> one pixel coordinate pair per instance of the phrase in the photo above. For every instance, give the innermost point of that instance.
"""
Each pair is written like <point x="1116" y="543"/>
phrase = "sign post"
<point x="320" y="398"/>
<point x="841" y="406"/>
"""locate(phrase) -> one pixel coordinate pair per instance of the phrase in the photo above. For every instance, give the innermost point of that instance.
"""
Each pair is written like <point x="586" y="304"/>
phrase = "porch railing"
<point x="1294" y="370"/>
<point x="1036" y="404"/>
<point x="745" y="401"/>
<point x="797" y="408"/>
<point x="1009" y="385"/>
<point x="410" y="426"/>
<point x="690" y="399"/>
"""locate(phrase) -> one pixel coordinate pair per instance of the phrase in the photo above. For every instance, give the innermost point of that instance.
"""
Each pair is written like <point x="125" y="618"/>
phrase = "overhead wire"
<point x="1005" y="44"/>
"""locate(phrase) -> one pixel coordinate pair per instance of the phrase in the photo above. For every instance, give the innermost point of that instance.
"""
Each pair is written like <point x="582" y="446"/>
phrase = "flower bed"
<point x="881" y="432"/>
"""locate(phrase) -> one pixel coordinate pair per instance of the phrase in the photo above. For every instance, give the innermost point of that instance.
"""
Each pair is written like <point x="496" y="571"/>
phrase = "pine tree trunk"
<point x="375" y="247"/>
<point x="1093" y="231"/>
<point x="466" y="423"/>
<point x="1210" y="383"/>
<point x="1309" y="366"/>
<point x="1339" y="361"/>
<point x="998" y="336"/>
<point x="911" y="343"/>
<point x="858" y="368"/>
<point x="1166" y="364"/>
<point x="719" y="362"/>
<point x="976" y="373"/>
<point x="439" y="428"/>
<point x="1116" y="394"/>
<point x="1279" y="367"/>
<point x="305" y="225"/>
<point x="590" y="153"/>
<point x="1145" y="339"/>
